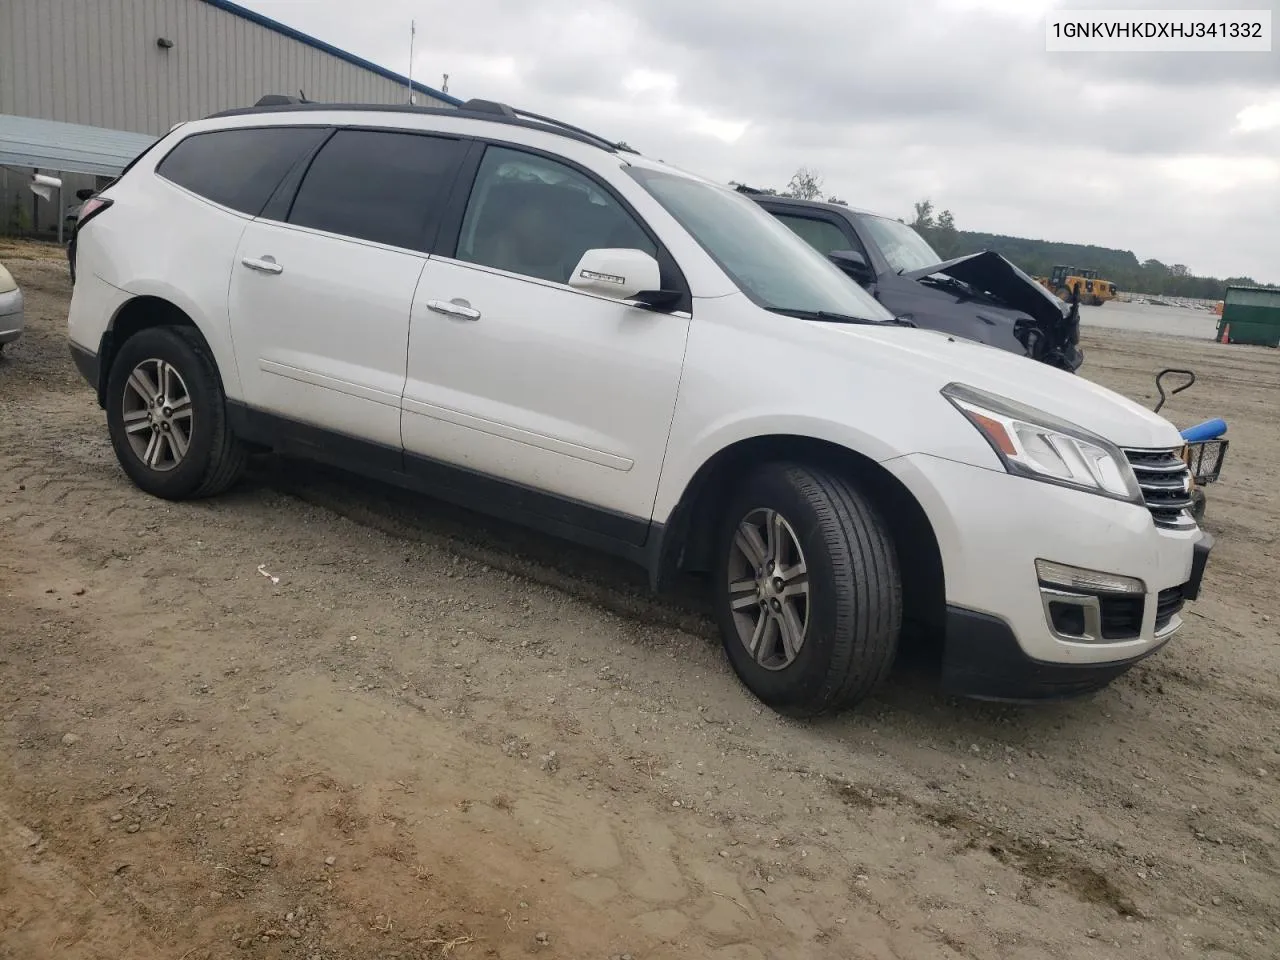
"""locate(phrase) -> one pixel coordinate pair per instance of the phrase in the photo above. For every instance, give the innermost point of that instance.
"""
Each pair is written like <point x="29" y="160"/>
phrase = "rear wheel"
<point x="166" y="415"/>
<point x="808" y="592"/>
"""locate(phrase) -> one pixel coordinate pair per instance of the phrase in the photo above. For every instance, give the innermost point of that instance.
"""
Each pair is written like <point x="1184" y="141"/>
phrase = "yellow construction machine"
<point x="1092" y="289"/>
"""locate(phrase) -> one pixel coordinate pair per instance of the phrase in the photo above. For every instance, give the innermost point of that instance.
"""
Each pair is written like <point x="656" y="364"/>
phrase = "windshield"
<point x="763" y="257"/>
<point x="905" y="249"/>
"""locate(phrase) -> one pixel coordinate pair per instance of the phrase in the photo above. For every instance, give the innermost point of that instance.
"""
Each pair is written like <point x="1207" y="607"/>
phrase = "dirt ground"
<point x="317" y="718"/>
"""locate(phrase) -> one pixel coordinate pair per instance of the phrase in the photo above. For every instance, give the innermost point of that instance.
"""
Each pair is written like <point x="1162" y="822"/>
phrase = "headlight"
<point x="1038" y="445"/>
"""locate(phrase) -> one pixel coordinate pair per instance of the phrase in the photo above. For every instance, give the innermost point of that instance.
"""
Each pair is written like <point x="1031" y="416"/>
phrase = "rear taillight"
<point x="88" y="210"/>
<point x="91" y="208"/>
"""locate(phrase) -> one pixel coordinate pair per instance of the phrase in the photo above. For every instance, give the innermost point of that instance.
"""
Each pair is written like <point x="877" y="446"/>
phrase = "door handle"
<point x="457" y="307"/>
<point x="266" y="264"/>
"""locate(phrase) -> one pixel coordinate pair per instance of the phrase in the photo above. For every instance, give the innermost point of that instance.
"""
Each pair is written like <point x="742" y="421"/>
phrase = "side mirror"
<point x="853" y="263"/>
<point x="620" y="273"/>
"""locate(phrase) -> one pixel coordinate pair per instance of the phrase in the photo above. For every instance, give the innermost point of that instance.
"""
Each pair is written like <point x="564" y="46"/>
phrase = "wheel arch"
<point x="686" y="542"/>
<point x="135" y="314"/>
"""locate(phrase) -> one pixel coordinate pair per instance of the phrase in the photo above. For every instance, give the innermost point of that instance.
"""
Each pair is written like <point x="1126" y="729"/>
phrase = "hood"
<point x="937" y="359"/>
<point x="7" y="283"/>
<point x="988" y="271"/>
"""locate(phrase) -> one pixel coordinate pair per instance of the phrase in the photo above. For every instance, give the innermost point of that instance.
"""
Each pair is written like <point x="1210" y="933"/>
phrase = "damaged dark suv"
<point x="981" y="297"/>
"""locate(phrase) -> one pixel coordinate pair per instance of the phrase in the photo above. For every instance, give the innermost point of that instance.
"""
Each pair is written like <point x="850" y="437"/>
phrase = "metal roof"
<point x="278" y="27"/>
<point x="67" y="147"/>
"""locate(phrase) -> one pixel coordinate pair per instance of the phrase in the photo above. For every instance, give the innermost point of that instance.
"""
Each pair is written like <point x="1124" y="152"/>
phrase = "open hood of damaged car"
<point x="989" y="272"/>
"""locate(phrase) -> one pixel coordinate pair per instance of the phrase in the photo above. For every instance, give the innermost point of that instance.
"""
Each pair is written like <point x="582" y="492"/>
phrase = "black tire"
<point x="854" y="605"/>
<point x="214" y="458"/>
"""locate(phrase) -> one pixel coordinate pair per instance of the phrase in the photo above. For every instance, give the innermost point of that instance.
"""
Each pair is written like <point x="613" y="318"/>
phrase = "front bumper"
<point x="12" y="321"/>
<point x="991" y="529"/>
<point x="983" y="659"/>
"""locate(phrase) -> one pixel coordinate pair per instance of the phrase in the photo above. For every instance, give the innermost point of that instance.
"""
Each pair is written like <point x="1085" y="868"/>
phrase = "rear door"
<point x="323" y="282"/>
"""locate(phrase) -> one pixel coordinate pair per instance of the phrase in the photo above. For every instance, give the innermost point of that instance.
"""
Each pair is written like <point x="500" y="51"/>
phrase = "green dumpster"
<point x="1250" y="315"/>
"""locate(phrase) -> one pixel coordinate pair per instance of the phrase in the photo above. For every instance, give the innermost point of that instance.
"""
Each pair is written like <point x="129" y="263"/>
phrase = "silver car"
<point x="11" y="322"/>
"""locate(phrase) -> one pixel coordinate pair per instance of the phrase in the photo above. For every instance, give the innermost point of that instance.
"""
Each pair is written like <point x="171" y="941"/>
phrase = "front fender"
<point x="684" y="463"/>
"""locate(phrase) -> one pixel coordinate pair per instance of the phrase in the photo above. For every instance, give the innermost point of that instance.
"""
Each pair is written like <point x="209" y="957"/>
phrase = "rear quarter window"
<point x="238" y="168"/>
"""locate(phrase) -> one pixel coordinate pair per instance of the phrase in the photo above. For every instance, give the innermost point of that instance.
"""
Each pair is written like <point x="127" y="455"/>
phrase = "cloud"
<point x="1172" y="156"/>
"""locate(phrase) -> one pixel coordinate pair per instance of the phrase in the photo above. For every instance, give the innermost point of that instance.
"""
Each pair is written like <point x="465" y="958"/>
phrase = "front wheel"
<point x="166" y="414"/>
<point x="808" y="593"/>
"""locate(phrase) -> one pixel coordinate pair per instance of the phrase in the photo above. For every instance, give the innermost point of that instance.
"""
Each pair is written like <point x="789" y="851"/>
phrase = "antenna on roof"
<point x="413" y="28"/>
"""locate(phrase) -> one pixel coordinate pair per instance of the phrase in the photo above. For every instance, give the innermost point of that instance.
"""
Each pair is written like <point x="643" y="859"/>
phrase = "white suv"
<point x="523" y="318"/>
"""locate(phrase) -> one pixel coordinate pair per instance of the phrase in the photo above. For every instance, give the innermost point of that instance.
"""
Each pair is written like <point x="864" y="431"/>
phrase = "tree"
<point x="805" y="184"/>
<point x="924" y="216"/>
<point x="835" y="199"/>
<point x="945" y="236"/>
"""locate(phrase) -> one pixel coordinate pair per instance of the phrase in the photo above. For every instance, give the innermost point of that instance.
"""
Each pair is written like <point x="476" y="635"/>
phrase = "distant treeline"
<point x="1038" y="257"/>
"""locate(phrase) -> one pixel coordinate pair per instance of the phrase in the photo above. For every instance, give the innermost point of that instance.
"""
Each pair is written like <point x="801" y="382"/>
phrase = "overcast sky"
<point x="1173" y="156"/>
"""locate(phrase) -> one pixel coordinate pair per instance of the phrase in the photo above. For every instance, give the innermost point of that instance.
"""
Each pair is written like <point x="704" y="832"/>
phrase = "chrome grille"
<point x="1168" y="605"/>
<point x="1165" y="481"/>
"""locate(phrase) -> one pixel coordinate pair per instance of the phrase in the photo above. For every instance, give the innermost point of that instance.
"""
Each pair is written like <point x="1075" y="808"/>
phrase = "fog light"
<point x="1087" y="581"/>
<point x="1067" y="618"/>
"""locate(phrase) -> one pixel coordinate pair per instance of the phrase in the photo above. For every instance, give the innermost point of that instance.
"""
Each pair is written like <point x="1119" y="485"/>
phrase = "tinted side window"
<point x="537" y="217"/>
<point x="377" y="185"/>
<point x="238" y="168"/>
<point x="822" y="235"/>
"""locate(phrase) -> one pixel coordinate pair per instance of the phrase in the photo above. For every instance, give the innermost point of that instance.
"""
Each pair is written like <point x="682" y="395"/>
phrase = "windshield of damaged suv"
<point x="762" y="256"/>
<point x="905" y="249"/>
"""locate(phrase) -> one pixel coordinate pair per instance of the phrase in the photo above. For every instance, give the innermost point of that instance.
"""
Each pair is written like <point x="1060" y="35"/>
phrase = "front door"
<point x="516" y="376"/>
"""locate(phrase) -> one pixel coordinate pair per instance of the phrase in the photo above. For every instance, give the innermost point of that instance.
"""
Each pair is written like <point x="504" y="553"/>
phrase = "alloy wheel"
<point x="157" y="413"/>
<point x="769" y="588"/>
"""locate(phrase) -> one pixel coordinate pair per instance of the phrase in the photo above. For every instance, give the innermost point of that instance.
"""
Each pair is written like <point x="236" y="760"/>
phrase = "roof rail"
<point x="485" y="109"/>
<point x="476" y="105"/>
<point x="502" y="109"/>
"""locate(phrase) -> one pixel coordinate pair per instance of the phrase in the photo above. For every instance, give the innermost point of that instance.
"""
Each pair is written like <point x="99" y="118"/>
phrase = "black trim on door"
<point x="281" y="199"/>
<point x="454" y="210"/>
<point x="582" y="523"/>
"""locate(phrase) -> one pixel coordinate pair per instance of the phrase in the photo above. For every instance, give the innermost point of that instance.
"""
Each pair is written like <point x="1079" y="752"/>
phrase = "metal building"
<point x="84" y="82"/>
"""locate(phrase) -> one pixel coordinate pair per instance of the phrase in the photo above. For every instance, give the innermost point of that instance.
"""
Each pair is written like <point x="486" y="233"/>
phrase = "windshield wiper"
<point x="829" y="316"/>
<point x="943" y="280"/>
<point x="826" y="315"/>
